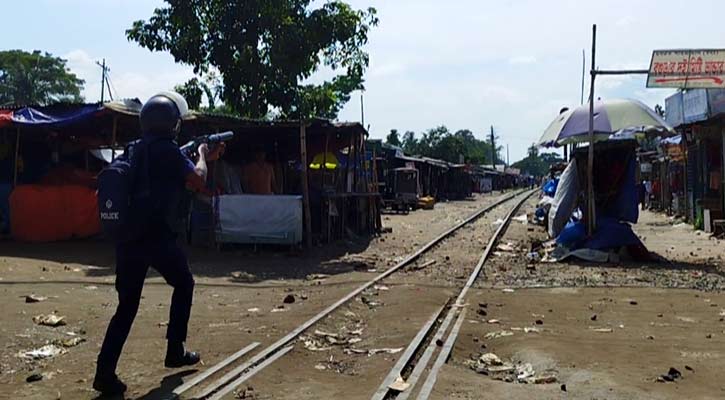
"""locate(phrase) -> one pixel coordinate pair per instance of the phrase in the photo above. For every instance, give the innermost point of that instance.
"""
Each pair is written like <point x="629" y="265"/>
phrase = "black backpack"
<point x="124" y="195"/>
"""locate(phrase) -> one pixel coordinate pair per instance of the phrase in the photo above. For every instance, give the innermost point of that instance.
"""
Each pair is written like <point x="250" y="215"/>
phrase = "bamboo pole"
<point x="305" y="185"/>
<point x="17" y="155"/>
<point x="591" y="220"/>
<point x="114" y="134"/>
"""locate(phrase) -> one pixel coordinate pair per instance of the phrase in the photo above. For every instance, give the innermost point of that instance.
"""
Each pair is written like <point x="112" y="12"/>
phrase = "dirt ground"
<point x="235" y="296"/>
<point x="606" y="331"/>
<point x="386" y="317"/>
<point x="649" y="317"/>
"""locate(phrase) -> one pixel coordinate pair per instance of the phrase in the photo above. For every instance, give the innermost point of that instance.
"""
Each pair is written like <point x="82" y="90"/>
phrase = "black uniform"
<point x="157" y="248"/>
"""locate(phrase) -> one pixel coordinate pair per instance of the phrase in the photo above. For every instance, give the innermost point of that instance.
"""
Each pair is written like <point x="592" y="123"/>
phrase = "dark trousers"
<point x="133" y="260"/>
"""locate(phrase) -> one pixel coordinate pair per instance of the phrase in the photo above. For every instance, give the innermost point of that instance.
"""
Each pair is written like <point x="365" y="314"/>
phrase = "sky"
<point x="465" y="64"/>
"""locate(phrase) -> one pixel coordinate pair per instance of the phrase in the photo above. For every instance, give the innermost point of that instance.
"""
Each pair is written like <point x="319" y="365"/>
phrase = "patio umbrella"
<point x="623" y="117"/>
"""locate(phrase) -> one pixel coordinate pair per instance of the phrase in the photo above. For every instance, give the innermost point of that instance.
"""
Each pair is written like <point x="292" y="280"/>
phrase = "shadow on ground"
<point x="245" y="264"/>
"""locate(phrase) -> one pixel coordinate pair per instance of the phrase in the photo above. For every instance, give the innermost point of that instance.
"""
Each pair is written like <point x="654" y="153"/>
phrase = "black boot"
<point x="108" y="384"/>
<point x="177" y="357"/>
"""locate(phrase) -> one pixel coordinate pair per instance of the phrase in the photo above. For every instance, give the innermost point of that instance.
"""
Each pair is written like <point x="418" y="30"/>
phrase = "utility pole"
<point x="104" y="71"/>
<point x="493" y="149"/>
<point x="507" y="155"/>
<point x="362" y="109"/>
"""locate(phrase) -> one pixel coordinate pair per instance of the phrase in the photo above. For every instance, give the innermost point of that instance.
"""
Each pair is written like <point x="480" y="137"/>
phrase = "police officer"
<point x="170" y="173"/>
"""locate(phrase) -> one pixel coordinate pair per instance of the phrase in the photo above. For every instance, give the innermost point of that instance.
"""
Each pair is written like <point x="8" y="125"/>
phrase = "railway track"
<point x="410" y="365"/>
<point x="435" y="337"/>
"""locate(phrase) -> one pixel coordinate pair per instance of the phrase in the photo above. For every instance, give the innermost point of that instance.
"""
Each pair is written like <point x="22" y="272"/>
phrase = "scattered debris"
<point x="320" y="367"/>
<point x="243" y="276"/>
<point x="381" y="287"/>
<point x="523" y="218"/>
<point x="593" y="317"/>
<point x="289" y="299"/>
<point x="563" y="387"/>
<point x="498" y="222"/>
<point x="163" y="324"/>
<point x="633" y="302"/>
<point x="49" y="320"/>
<point x="399" y="385"/>
<point x="539" y="322"/>
<point x="508" y="290"/>
<point x="421" y="266"/>
<point x="493" y="321"/>
<point x="70" y="342"/>
<point x="317" y="277"/>
<point x="34" y="378"/>
<point x="34" y="298"/>
<point x="247" y="393"/>
<point x="372" y="352"/>
<point x="496" y="368"/>
<point x="91" y="287"/>
<point x="671" y="375"/>
<point x="689" y="368"/>
<point x="47" y="351"/>
<point x="498" y="334"/>
<point x="370" y="303"/>
<point x="601" y="330"/>
<point x="253" y="309"/>
<point x="508" y="247"/>
<point x="531" y="329"/>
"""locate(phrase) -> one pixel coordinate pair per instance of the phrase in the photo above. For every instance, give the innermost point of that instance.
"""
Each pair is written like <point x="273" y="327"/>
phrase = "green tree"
<point x="264" y="49"/>
<point x="393" y="138"/>
<point x="410" y="143"/>
<point x="537" y="164"/>
<point x="195" y="89"/>
<point x="36" y="78"/>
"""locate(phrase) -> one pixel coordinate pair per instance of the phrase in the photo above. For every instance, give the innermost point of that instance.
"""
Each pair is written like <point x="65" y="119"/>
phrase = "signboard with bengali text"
<point x="687" y="69"/>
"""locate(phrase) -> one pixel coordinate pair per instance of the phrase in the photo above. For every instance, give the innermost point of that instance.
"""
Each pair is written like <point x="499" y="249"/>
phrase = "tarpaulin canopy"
<point x="62" y="115"/>
<point x="54" y="116"/>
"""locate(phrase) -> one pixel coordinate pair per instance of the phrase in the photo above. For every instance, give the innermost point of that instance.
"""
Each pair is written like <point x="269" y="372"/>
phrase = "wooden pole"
<point x="305" y="185"/>
<point x="591" y="220"/>
<point x="17" y="155"/>
<point x="325" y="204"/>
<point x="114" y="135"/>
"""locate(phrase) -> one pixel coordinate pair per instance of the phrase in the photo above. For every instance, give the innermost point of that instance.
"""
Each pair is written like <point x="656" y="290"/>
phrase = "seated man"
<point x="258" y="176"/>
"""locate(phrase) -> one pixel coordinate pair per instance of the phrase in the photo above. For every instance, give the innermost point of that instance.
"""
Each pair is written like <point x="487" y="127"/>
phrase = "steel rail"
<point x="235" y="375"/>
<point x="383" y="391"/>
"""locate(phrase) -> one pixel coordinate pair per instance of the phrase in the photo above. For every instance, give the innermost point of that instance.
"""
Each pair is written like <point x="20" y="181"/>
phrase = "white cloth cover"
<point x="564" y="199"/>
<point x="249" y="219"/>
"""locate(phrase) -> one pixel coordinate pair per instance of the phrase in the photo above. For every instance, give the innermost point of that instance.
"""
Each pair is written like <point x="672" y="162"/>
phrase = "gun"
<point x="191" y="147"/>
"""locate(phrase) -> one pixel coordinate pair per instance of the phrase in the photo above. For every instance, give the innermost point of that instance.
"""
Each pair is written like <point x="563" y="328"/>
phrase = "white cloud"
<point x="522" y="60"/>
<point x="387" y="69"/>
<point x="139" y="83"/>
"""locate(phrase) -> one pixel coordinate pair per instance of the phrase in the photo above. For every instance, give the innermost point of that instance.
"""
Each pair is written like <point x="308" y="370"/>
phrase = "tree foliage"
<point x="195" y="89"/>
<point x="537" y="164"/>
<point x="393" y="138"/>
<point x="36" y="78"/>
<point x="265" y="49"/>
<point x="442" y="144"/>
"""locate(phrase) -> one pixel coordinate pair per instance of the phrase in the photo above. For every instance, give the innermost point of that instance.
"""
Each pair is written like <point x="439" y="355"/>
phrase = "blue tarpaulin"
<point x="610" y="234"/>
<point x="57" y="117"/>
<point x="550" y="187"/>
